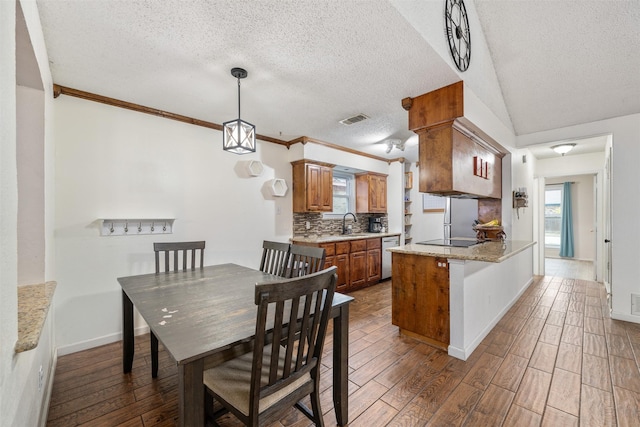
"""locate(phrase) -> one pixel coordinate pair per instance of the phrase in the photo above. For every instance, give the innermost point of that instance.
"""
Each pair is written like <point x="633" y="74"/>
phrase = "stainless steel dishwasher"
<point x="388" y="242"/>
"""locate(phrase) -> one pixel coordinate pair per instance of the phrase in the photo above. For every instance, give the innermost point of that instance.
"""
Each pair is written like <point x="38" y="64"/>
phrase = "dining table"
<point x="207" y="315"/>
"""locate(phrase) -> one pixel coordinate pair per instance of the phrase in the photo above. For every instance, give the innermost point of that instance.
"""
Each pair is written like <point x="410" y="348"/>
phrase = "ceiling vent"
<point x="355" y="119"/>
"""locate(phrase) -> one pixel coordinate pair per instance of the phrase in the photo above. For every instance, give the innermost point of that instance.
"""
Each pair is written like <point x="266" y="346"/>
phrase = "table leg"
<point x="191" y="394"/>
<point x="127" y="333"/>
<point x="341" y="365"/>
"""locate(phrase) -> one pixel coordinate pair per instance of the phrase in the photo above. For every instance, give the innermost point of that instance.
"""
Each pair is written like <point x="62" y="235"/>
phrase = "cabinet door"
<point x="319" y="188"/>
<point x="326" y="189"/>
<point x="379" y="203"/>
<point x="358" y="269"/>
<point x="314" y="189"/>
<point x="374" y="271"/>
<point x="342" y="262"/>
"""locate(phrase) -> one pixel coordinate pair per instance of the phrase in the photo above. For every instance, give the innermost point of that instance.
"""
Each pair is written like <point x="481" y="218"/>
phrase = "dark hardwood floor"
<point x="555" y="359"/>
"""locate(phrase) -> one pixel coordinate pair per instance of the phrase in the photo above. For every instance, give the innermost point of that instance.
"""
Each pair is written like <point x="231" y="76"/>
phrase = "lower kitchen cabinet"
<point x="359" y="262"/>
<point x="420" y="298"/>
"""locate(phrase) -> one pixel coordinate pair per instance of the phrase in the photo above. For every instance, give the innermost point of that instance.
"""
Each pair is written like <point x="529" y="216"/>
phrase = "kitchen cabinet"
<point x="456" y="157"/>
<point x="374" y="260"/>
<point x="338" y="254"/>
<point x="371" y="193"/>
<point x="312" y="186"/>
<point x="420" y="297"/>
<point x="359" y="262"/>
<point x="453" y="164"/>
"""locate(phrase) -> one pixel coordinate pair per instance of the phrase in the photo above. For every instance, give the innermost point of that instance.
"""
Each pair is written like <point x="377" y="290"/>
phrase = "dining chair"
<point x="179" y="255"/>
<point x="259" y="386"/>
<point x="275" y="257"/>
<point x="174" y="256"/>
<point x="304" y="260"/>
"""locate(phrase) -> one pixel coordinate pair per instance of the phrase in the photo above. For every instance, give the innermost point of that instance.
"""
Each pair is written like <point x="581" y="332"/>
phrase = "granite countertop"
<point x="33" y="305"/>
<point x="326" y="238"/>
<point x="487" y="251"/>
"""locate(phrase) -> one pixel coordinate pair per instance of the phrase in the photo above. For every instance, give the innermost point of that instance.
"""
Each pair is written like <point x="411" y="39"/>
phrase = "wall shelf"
<point x="278" y="187"/>
<point x="136" y="226"/>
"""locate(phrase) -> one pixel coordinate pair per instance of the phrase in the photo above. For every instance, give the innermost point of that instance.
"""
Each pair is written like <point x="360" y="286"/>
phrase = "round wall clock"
<point x="458" y="34"/>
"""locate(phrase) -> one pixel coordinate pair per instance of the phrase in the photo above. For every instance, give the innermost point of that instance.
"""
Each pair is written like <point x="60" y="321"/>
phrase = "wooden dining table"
<point x="205" y="316"/>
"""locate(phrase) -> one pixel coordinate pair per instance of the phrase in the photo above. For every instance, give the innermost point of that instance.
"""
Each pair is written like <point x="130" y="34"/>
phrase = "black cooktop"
<point x="450" y="242"/>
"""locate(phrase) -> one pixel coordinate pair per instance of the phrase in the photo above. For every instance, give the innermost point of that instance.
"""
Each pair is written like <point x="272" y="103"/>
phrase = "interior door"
<point x="607" y="225"/>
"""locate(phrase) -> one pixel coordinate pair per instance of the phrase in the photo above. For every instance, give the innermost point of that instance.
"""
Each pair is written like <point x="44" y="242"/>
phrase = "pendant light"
<point x="238" y="136"/>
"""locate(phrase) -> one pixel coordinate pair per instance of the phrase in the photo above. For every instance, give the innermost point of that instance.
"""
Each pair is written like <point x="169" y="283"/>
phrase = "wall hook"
<point x="126" y="227"/>
<point x="139" y="227"/>
<point x="152" y="227"/>
<point x="111" y="230"/>
<point x="164" y="227"/>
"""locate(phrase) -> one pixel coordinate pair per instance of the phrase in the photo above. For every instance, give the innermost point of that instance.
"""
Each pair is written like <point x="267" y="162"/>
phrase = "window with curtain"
<point x="552" y="215"/>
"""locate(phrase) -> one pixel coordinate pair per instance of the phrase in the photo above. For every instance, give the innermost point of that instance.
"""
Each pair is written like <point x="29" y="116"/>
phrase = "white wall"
<point x="114" y="163"/>
<point x="625" y="176"/>
<point x="21" y="403"/>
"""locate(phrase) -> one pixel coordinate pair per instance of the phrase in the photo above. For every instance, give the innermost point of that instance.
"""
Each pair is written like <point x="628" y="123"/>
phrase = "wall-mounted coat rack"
<point x="133" y="227"/>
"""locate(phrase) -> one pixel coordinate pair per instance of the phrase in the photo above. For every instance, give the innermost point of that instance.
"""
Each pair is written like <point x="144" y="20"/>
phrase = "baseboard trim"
<point x="626" y="317"/>
<point x="97" y="342"/>
<point x="44" y="410"/>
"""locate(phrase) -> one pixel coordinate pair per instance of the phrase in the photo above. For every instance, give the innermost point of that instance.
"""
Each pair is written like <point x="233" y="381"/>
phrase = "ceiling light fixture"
<point x="238" y="136"/>
<point x="563" y="148"/>
<point x="394" y="143"/>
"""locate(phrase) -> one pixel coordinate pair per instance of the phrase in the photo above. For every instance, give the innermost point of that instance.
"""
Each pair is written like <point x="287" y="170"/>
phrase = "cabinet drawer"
<point x="374" y="243"/>
<point x="329" y="249"/>
<point x="358" y="245"/>
<point x="342" y="248"/>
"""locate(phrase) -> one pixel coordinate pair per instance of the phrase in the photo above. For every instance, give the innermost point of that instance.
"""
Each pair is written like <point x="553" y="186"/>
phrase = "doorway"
<point x="581" y="193"/>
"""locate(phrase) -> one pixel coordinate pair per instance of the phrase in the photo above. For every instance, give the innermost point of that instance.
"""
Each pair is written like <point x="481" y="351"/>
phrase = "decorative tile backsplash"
<point x="319" y="226"/>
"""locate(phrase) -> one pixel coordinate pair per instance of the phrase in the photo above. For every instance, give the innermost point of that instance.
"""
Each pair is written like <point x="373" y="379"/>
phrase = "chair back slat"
<point x="305" y="260"/>
<point x="185" y="255"/>
<point x="275" y="257"/>
<point x="301" y="310"/>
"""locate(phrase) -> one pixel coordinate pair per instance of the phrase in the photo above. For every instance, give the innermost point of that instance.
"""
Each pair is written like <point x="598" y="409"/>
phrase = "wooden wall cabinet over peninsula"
<point x="312" y="186"/>
<point x="371" y="193"/>
<point x="456" y="157"/>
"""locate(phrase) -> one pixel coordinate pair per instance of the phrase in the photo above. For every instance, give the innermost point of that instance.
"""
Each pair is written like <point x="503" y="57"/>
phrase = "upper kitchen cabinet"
<point x="312" y="186"/>
<point x="456" y="158"/>
<point x="371" y="193"/>
<point x="452" y="164"/>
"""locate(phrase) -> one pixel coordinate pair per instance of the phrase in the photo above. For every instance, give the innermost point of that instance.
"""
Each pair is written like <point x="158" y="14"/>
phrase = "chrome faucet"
<point x="344" y="228"/>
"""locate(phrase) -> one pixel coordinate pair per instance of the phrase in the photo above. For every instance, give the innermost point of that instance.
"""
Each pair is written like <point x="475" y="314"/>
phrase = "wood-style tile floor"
<point x="555" y="359"/>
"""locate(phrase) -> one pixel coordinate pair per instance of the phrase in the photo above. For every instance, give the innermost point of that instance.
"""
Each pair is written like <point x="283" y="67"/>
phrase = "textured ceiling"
<point x="311" y="64"/>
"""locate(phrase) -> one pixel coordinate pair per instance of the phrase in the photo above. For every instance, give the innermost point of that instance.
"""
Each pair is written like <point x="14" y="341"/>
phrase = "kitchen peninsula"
<point x="451" y="297"/>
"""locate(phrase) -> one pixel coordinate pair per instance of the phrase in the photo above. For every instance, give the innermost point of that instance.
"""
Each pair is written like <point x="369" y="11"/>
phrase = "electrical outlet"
<point x="40" y="378"/>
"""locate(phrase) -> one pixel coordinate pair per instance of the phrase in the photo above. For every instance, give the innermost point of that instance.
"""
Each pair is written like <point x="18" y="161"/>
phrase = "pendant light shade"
<point x="238" y="136"/>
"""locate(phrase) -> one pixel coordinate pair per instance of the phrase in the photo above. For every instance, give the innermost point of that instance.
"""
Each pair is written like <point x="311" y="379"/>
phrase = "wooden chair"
<point x="275" y="257"/>
<point x="305" y="260"/>
<point x="259" y="386"/>
<point x="179" y="252"/>
<point x="176" y="256"/>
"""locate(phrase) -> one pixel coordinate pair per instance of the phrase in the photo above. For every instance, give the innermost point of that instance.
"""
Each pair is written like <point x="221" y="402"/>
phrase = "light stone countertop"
<point x="486" y="252"/>
<point x="33" y="305"/>
<point x="314" y="238"/>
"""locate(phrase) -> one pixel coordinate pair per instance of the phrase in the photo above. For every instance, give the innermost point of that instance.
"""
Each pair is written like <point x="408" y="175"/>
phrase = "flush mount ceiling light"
<point x="394" y="143"/>
<point x="563" y="148"/>
<point x="239" y="136"/>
